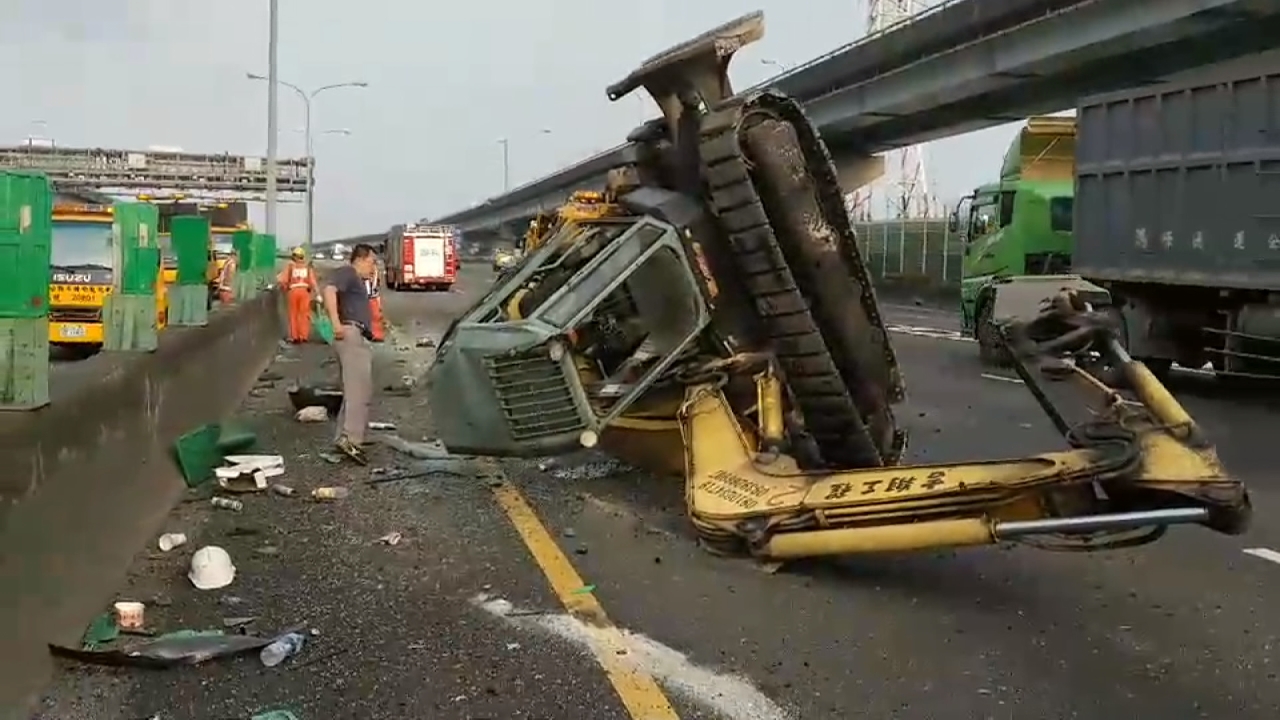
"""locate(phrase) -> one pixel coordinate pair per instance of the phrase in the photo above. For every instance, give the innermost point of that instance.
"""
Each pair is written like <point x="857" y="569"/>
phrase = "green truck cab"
<point x="1020" y="225"/>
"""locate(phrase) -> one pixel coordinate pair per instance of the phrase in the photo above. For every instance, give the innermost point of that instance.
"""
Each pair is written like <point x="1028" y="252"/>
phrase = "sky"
<point x="446" y="82"/>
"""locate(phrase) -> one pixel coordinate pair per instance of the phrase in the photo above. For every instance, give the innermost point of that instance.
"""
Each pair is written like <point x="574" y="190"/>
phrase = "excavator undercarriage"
<point x="712" y="317"/>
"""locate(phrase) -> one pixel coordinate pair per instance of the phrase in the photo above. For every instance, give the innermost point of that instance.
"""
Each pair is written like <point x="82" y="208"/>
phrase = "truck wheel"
<point x="991" y="350"/>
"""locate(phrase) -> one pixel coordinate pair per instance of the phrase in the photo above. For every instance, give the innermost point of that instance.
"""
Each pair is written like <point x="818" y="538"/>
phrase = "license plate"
<point x="71" y="332"/>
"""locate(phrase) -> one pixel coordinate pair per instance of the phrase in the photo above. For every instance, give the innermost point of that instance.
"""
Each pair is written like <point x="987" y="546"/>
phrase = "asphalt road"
<point x="466" y="617"/>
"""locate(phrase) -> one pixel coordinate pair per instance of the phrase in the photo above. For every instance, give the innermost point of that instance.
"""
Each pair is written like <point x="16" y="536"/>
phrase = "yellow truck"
<point x="81" y="277"/>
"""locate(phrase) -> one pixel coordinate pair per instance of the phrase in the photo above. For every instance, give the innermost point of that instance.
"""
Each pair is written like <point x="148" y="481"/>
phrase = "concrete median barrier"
<point x="89" y="479"/>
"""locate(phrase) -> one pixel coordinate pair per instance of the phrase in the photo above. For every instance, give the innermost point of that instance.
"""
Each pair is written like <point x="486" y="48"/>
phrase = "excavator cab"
<point x="711" y="316"/>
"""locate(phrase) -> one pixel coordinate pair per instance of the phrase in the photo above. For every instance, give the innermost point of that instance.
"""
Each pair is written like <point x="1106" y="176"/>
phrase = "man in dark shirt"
<point x="346" y="299"/>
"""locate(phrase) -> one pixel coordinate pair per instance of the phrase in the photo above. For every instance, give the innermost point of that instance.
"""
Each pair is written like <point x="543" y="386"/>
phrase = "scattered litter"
<point x="201" y="450"/>
<point x="268" y="550"/>
<point x="331" y="493"/>
<point x="569" y="533"/>
<point x="305" y="396"/>
<point x="381" y="426"/>
<point x="231" y="600"/>
<point x="429" y="450"/>
<point x="235" y="622"/>
<point x="513" y="646"/>
<point x="311" y="414"/>
<point x="592" y="470"/>
<point x="547" y="463"/>
<point x="425" y="342"/>
<point x="226" y="504"/>
<point x="282" y="648"/>
<point x="391" y="538"/>
<point x="169" y="541"/>
<point x="276" y="715"/>
<point x="282" y="490"/>
<point x="211" y="568"/>
<point x="184" y="647"/>
<point x="331" y="458"/>
<point x="584" y="590"/>
<point x="130" y="615"/>
<point x="101" y="631"/>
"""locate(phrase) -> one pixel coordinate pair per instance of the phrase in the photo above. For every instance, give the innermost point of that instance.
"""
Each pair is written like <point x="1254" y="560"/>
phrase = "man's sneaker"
<point x="352" y="450"/>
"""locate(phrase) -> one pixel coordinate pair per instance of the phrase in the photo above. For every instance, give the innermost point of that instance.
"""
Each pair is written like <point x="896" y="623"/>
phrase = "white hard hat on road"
<point x="211" y="568"/>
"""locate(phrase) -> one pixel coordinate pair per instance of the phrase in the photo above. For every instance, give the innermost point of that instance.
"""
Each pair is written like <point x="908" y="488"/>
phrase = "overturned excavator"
<point x="711" y="316"/>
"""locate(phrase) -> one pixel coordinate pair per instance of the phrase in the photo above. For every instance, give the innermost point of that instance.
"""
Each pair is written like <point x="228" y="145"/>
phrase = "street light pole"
<point x="506" y="164"/>
<point x="506" y="160"/>
<point x="273" y="69"/>
<point x="307" y="97"/>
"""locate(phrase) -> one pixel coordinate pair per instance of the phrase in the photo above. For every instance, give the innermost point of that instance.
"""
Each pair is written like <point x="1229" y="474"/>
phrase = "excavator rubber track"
<point x="774" y="188"/>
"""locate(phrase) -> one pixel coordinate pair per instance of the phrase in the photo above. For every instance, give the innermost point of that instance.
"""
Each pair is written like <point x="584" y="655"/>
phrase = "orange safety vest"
<point x="297" y="276"/>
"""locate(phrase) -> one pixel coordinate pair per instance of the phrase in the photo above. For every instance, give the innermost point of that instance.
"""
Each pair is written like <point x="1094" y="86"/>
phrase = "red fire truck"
<point x="423" y="257"/>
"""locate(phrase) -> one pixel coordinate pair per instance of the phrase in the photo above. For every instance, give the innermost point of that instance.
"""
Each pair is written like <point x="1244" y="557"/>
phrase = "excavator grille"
<point x="534" y="395"/>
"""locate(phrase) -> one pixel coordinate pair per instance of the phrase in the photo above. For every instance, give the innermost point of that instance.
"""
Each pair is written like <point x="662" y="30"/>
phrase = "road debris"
<point x="130" y="614"/>
<point x="237" y="622"/>
<point x="248" y="473"/>
<point x="282" y="490"/>
<point x="330" y="493"/>
<point x="425" y="342"/>
<point x="381" y="426"/>
<point x="211" y="568"/>
<point x="305" y="396"/>
<point x="282" y="648"/>
<point x="391" y="538"/>
<point x="183" y="647"/>
<point x="311" y="414"/>
<point x="169" y="541"/>
<point x="226" y="504"/>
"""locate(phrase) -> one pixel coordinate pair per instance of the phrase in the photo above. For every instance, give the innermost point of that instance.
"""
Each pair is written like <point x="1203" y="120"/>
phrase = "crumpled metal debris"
<point x="184" y="647"/>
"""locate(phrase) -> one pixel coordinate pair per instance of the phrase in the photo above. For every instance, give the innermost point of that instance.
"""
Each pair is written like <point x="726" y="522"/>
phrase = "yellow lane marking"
<point x="639" y="692"/>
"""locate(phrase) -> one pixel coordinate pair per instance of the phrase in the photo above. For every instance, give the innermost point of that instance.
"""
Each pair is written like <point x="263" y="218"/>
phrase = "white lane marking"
<point x="1002" y="378"/>
<point x="1264" y="553"/>
<point x="730" y="696"/>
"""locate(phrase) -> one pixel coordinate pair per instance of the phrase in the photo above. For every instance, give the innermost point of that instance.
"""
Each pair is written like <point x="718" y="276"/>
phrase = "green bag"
<point x="321" y="326"/>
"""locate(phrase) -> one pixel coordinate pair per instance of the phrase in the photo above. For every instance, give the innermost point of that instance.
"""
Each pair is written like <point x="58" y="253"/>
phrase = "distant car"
<point x="504" y="259"/>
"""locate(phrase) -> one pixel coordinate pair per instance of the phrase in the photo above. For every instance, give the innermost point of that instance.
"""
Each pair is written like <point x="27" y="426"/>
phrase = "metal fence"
<point x="915" y="252"/>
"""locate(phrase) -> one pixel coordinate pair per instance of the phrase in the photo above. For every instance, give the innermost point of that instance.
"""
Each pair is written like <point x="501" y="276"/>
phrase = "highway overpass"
<point x="964" y="66"/>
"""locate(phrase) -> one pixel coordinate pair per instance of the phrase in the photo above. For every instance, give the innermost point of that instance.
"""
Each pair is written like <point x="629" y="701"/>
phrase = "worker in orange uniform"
<point x="298" y="281"/>
<point x="374" y="283"/>
<point x="226" y="279"/>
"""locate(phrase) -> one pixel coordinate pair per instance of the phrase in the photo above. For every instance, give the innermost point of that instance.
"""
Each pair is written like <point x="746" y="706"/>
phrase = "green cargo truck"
<point x="1020" y="225"/>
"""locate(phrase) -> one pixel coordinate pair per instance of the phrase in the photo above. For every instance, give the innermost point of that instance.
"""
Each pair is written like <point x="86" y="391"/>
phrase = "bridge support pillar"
<point x="131" y="313"/>
<point x="857" y="171"/>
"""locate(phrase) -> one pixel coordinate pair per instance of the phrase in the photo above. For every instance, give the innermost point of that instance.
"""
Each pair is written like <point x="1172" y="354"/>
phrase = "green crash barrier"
<point x="189" y="297"/>
<point x="90" y="478"/>
<point x="26" y="234"/>
<point x="130" y="312"/>
<point x="245" y="284"/>
<point x="269" y="260"/>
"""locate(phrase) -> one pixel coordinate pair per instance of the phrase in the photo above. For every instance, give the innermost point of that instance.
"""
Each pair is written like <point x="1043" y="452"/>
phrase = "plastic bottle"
<point x="282" y="490"/>
<point x="283" y="647"/>
<point x="330" y="493"/>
